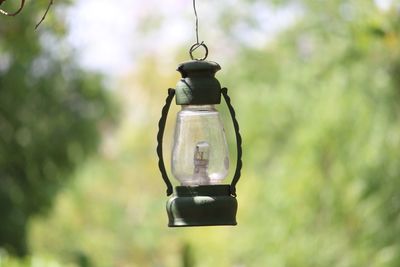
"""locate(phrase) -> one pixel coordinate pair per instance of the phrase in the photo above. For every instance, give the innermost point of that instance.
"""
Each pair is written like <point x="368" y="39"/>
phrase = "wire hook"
<point x="198" y="43"/>
<point x="194" y="47"/>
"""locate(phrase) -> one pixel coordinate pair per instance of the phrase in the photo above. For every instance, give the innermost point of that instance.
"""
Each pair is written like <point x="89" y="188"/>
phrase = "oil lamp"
<point x="200" y="158"/>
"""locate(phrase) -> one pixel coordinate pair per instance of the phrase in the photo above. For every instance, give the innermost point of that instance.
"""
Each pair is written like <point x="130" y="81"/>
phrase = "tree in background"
<point x="21" y="7"/>
<point x="322" y="124"/>
<point x="318" y="107"/>
<point x="50" y="112"/>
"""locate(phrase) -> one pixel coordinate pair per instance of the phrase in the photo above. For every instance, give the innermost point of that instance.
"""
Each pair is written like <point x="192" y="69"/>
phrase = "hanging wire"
<point x="198" y="43"/>
<point x="197" y="21"/>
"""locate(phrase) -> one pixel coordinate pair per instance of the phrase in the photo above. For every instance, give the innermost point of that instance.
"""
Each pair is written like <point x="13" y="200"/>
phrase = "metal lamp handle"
<point x="160" y="134"/>
<point x="239" y="163"/>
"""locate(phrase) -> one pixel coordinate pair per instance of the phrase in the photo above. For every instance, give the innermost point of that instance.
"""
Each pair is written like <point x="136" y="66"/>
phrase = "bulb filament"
<point x="201" y="160"/>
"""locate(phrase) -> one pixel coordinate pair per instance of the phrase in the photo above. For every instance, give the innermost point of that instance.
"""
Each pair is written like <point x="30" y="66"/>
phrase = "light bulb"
<point x="200" y="161"/>
<point x="200" y="151"/>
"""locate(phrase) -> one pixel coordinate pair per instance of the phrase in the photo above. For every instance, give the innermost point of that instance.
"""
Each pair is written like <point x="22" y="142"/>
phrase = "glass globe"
<point x="200" y="152"/>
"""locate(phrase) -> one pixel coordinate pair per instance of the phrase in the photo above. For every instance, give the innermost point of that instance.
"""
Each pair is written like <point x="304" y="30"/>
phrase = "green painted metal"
<point x="160" y="136"/>
<point x="204" y="205"/>
<point x="198" y="85"/>
<point x="239" y="162"/>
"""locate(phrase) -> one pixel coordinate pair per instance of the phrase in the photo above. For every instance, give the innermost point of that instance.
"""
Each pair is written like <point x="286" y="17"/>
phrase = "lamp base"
<point x="203" y="205"/>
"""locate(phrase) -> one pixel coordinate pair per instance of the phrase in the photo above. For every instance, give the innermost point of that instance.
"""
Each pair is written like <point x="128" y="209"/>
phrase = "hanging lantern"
<point x="200" y="158"/>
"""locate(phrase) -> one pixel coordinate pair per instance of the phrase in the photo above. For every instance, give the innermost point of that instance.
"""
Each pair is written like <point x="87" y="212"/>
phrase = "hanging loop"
<point x="198" y="43"/>
<point x="239" y="163"/>
<point x="160" y="134"/>
<point x="196" y="46"/>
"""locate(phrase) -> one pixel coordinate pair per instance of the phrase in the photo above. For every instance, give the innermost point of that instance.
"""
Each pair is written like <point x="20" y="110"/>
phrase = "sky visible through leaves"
<point x="110" y="37"/>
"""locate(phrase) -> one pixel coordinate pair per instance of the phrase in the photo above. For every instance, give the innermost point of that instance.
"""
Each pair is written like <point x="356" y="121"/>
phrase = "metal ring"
<point x="194" y="47"/>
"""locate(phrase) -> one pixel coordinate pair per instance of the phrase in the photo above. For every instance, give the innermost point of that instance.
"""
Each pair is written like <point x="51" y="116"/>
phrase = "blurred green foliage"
<point x="319" y="110"/>
<point x="7" y="260"/>
<point x="50" y="113"/>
